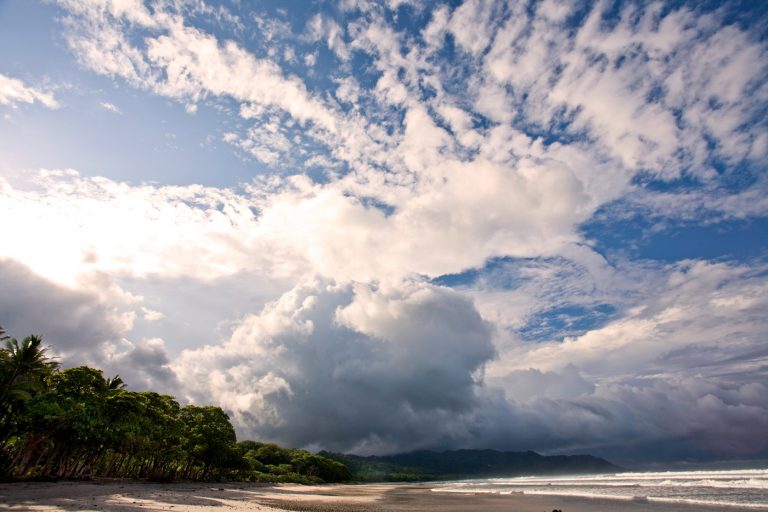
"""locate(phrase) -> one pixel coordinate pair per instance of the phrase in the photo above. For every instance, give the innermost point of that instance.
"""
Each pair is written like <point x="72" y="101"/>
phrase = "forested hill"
<point x="448" y="465"/>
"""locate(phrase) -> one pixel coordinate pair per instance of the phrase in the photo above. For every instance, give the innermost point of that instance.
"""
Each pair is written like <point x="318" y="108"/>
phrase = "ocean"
<point x="734" y="488"/>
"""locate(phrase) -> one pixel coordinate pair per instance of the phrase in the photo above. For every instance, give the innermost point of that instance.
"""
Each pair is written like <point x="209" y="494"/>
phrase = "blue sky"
<point x="406" y="224"/>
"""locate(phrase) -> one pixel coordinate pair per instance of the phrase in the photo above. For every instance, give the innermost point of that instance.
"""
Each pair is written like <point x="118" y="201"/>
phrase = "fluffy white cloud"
<point x="472" y="24"/>
<point x="682" y="319"/>
<point x="322" y="27"/>
<point x="456" y="219"/>
<point x="14" y="91"/>
<point x="651" y="88"/>
<point x="641" y="95"/>
<point x="99" y="225"/>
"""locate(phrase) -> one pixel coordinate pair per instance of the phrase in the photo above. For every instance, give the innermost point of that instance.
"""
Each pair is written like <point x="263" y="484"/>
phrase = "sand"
<point x="130" y="496"/>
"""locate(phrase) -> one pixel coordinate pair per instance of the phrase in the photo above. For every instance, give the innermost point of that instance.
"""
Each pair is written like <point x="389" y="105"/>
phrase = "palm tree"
<point x="116" y="382"/>
<point x="22" y="366"/>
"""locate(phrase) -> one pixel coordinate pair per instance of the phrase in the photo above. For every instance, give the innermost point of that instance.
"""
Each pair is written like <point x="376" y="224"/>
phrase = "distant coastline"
<point x="425" y="465"/>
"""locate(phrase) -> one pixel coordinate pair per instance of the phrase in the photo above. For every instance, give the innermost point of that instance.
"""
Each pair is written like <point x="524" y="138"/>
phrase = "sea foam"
<point x="733" y="488"/>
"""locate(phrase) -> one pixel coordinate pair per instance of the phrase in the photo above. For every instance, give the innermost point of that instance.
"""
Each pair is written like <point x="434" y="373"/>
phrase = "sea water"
<point x="734" y="488"/>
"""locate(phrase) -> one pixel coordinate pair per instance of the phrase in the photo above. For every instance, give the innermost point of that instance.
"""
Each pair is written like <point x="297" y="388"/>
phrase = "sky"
<point x="380" y="226"/>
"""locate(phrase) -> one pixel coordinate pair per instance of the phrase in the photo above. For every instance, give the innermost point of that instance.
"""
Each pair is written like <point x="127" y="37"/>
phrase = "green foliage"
<point x="285" y="464"/>
<point x="74" y="423"/>
<point x="273" y="454"/>
<point x="210" y="439"/>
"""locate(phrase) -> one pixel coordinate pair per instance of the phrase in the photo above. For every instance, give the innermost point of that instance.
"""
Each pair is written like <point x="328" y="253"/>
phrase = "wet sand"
<point x="129" y="496"/>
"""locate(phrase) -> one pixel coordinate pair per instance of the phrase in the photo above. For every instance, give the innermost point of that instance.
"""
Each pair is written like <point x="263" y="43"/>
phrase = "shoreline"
<point x="134" y="496"/>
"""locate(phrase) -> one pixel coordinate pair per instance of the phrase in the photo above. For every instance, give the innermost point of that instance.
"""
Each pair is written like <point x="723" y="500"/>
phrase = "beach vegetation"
<point x="76" y="424"/>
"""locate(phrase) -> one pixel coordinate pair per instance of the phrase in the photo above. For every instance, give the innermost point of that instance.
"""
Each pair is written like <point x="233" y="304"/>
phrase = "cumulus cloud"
<point x="84" y="324"/>
<point x="348" y="366"/>
<point x="142" y="365"/>
<point x="441" y="226"/>
<point x="76" y="320"/>
<point x="455" y="220"/>
<point x="13" y="91"/>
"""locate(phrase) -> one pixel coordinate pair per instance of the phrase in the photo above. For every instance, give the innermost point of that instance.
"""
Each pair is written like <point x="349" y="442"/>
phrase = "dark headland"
<point x="427" y="465"/>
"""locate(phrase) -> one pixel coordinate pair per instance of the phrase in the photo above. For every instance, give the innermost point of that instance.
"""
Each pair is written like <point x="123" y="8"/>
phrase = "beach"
<point x="131" y="496"/>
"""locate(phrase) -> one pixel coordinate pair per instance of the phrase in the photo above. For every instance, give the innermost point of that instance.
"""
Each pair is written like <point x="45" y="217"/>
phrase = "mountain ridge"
<point x="423" y="465"/>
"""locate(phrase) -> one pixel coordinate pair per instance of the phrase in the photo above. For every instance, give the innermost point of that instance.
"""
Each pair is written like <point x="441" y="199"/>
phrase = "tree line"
<point x="75" y="423"/>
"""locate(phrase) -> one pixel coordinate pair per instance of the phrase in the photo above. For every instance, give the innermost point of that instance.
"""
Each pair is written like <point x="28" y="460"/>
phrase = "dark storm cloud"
<point x="84" y="325"/>
<point x="351" y="367"/>
<point x="355" y="367"/>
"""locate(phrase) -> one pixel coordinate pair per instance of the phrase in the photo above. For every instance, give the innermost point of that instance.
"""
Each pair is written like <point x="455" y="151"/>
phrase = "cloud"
<point x="111" y="107"/>
<point x="76" y="321"/>
<point x="441" y="225"/>
<point x="14" y="91"/>
<point x="636" y="421"/>
<point x="697" y="306"/>
<point x="151" y="315"/>
<point x="183" y="62"/>
<point x="143" y="365"/>
<point x="321" y="27"/>
<point x="472" y="24"/>
<point x="683" y="360"/>
<point x="546" y="299"/>
<point x="310" y="59"/>
<point x="347" y="366"/>
<point x="640" y="95"/>
<point x="702" y="205"/>
<point x="626" y="84"/>
<point x="99" y="225"/>
<point x="301" y="228"/>
<point x="84" y="324"/>
<point x="535" y="385"/>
